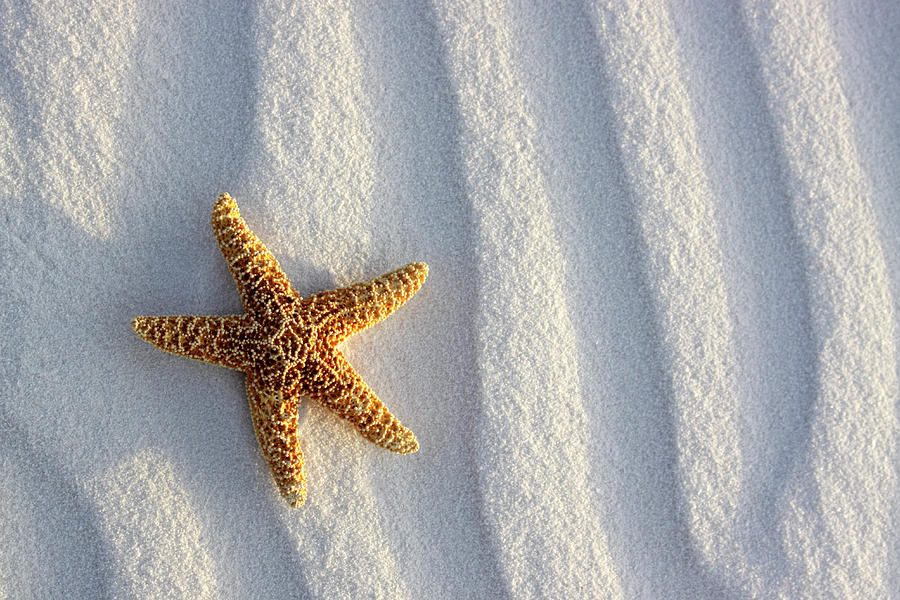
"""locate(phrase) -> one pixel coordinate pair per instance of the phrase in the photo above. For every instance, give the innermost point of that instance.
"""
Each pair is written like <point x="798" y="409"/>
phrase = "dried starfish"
<point x="287" y="346"/>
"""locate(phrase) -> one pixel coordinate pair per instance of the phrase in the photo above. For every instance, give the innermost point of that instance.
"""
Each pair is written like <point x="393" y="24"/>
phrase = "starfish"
<point x="288" y="347"/>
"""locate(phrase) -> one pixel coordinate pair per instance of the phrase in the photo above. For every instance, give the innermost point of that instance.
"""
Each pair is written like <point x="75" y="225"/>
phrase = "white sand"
<point x="656" y="356"/>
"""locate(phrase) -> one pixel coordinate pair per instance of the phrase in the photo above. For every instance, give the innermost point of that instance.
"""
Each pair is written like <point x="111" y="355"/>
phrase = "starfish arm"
<point x="348" y="310"/>
<point x="275" y="421"/>
<point x="345" y="393"/>
<point x="216" y="340"/>
<point x="263" y="286"/>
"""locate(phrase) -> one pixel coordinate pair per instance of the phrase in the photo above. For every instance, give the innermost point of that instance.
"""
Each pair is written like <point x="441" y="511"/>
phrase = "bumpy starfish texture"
<point x="287" y="346"/>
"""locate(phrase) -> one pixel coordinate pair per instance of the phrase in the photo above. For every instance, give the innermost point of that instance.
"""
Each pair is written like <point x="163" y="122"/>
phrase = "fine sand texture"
<point x="656" y="355"/>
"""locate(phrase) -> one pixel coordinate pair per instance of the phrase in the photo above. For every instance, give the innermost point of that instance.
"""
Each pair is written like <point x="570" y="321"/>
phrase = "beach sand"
<point x="655" y="357"/>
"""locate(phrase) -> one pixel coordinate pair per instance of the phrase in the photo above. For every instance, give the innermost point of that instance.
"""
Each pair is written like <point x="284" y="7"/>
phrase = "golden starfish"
<point x="287" y="346"/>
